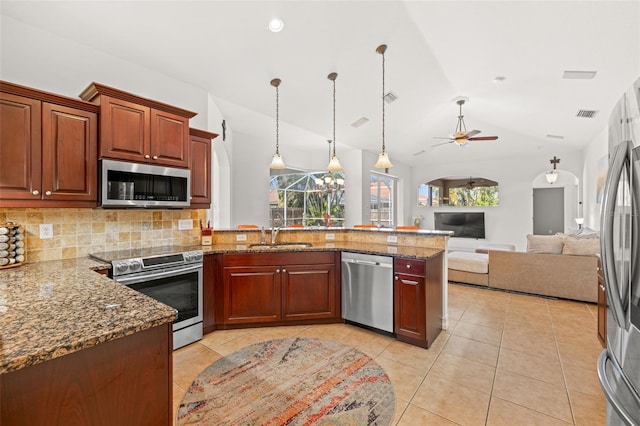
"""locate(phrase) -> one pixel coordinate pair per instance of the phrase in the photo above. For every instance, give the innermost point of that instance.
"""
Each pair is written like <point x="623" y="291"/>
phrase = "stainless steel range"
<point x="171" y="275"/>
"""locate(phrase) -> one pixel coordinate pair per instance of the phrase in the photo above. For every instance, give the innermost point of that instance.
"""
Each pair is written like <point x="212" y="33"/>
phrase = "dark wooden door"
<point x="200" y="172"/>
<point x="124" y="130"/>
<point x="20" y="148"/>
<point x="69" y="154"/>
<point x="169" y="139"/>
<point x="309" y="292"/>
<point x="252" y="294"/>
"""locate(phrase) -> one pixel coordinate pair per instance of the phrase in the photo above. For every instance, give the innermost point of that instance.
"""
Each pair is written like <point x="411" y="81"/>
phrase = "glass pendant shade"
<point x="383" y="161"/>
<point x="276" y="162"/>
<point x="334" y="165"/>
<point x="551" y="176"/>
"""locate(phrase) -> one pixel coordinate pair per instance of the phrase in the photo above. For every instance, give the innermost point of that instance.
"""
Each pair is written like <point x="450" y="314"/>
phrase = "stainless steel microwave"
<point x="125" y="184"/>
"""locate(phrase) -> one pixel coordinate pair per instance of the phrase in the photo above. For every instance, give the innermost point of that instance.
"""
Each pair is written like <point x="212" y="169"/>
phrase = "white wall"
<point x="510" y="221"/>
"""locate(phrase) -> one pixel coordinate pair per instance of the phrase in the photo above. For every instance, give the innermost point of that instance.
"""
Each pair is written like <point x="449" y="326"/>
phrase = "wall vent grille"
<point x="586" y="113"/>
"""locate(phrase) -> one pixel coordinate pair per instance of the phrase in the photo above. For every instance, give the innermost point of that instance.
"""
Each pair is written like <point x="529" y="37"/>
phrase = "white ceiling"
<point x="438" y="50"/>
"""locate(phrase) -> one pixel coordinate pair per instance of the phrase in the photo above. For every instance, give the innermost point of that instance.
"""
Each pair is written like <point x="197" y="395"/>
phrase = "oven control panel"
<point x="153" y="263"/>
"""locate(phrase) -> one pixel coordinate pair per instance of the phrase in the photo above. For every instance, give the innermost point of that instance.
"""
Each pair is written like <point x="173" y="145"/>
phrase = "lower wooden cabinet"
<point x="602" y="308"/>
<point x="418" y="300"/>
<point x="275" y="288"/>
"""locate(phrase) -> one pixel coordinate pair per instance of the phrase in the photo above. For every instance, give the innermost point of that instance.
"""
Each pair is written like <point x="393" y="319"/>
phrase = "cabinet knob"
<point x="155" y="157"/>
<point x="147" y="156"/>
<point x="284" y="269"/>
<point x="397" y="278"/>
<point x="47" y="193"/>
<point x="36" y="192"/>
<point x="408" y="266"/>
<point x="277" y="271"/>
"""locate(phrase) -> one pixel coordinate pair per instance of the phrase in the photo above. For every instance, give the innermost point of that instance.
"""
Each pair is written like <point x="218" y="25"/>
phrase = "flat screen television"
<point x="463" y="225"/>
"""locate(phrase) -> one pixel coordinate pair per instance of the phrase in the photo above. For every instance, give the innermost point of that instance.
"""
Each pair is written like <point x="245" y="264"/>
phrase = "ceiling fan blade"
<point x="484" y="138"/>
<point x="472" y="133"/>
<point x="442" y="137"/>
<point x="443" y="143"/>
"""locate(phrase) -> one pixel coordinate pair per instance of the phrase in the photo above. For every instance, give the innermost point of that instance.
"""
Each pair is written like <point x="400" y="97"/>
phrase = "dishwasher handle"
<point x="368" y="263"/>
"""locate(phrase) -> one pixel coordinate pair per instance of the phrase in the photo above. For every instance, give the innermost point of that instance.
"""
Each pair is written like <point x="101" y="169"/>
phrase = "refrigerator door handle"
<point x="621" y="157"/>
<point x="608" y="390"/>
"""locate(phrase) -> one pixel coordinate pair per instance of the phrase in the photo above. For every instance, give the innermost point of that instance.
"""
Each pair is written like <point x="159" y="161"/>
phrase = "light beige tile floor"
<point x="506" y="359"/>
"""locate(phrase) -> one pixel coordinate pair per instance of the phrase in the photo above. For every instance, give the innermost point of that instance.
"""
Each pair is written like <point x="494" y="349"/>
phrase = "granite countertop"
<point x="380" y="249"/>
<point x="50" y="309"/>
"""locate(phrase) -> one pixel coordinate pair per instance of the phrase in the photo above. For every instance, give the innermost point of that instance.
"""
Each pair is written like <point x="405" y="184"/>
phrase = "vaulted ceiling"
<point x="437" y="51"/>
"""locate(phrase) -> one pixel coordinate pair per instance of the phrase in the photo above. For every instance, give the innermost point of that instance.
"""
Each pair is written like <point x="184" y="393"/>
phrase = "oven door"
<point x="180" y="288"/>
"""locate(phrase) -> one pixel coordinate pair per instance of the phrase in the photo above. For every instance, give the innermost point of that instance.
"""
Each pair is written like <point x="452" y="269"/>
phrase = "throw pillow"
<point x="551" y="244"/>
<point x="581" y="246"/>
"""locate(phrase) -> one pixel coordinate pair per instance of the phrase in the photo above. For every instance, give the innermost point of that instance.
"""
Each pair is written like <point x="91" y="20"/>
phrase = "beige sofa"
<point x="558" y="266"/>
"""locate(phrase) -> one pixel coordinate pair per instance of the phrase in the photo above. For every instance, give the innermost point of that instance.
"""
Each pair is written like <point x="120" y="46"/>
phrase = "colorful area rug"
<point x="294" y="381"/>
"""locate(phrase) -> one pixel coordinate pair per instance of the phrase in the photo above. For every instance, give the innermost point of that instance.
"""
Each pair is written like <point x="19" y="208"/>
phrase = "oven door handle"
<point x="138" y="278"/>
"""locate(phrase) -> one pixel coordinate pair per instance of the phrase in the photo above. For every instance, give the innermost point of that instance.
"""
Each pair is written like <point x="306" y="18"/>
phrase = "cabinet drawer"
<point x="409" y="266"/>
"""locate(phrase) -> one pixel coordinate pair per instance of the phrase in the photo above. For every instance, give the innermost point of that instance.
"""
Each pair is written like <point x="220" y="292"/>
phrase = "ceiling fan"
<point x="461" y="137"/>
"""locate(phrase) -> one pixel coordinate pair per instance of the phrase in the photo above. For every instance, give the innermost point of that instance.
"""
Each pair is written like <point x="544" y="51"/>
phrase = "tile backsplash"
<point x="78" y="232"/>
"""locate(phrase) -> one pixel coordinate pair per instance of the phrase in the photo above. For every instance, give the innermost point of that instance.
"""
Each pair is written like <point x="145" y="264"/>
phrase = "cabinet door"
<point x="169" y="139"/>
<point x="20" y="148"/>
<point x="410" y="308"/>
<point x="124" y="130"/>
<point x="69" y="154"/>
<point x="309" y="292"/>
<point x="200" y="172"/>
<point x="252" y="294"/>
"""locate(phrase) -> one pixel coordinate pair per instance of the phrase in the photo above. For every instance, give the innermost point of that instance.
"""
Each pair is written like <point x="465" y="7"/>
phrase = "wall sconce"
<point x="552" y="175"/>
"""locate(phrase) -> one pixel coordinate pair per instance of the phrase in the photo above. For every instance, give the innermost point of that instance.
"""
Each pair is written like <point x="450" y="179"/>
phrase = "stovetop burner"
<point x="110" y="256"/>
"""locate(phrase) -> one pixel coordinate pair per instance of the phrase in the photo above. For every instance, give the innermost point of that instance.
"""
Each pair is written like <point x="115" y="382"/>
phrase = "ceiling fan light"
<point x="461" y="142"/>
<point x="334" y="165"/>
<point x="551" y="176"/>
<point x="383" y="161"/>
<point x="277" y="162"/>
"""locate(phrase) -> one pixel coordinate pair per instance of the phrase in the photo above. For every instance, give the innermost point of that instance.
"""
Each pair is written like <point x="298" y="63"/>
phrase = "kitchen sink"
<point x="280" y="246"/>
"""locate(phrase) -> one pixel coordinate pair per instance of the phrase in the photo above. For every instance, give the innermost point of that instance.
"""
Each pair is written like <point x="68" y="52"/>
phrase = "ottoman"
<point x="467" y="267"/>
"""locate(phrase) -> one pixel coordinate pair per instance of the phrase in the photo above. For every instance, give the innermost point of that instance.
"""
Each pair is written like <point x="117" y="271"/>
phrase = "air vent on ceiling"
<point x="390" y="97"/>
<point x="587" y="113"/>
<point x="360" y="121"/>
<point x="578" y="75"/>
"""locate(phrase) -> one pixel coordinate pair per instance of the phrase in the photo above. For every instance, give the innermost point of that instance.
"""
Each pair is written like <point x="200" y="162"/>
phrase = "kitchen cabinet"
<point x="418" y="300"/>
<point x="126" y="381"/>
<point x="200" y="166"/>
<point x="602" y="307"/>
<point x="48" y="145"/>
<point x="133" y="128"/>
<point x="278" y="288"/>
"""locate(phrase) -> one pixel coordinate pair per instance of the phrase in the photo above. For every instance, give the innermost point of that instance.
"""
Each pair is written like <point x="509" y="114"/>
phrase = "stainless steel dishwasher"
<point x="367" y="290"/>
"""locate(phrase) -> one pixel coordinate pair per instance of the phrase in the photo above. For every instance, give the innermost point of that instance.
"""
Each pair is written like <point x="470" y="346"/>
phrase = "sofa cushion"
<point x="581" y="246"/>
<point x="478" y="263"/>
<point x="551" y="244"/>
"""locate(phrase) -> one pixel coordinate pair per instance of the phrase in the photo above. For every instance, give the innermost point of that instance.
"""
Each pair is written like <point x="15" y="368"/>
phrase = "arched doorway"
<point x="557" y="205"/>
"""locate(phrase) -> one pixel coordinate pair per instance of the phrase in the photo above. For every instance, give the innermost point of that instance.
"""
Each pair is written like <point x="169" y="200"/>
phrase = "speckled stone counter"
<point x="415" y="252"/>
<point x="50" y="309"/>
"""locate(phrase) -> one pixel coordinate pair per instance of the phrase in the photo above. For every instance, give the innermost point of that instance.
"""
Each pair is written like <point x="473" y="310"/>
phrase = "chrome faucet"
<point x="274" y="234"/>
<point x="263" y="237"/>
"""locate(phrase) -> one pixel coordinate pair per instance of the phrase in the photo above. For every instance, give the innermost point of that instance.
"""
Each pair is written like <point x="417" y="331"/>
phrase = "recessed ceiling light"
<point x="578" y="75"/>
<point x="276" y="25"/>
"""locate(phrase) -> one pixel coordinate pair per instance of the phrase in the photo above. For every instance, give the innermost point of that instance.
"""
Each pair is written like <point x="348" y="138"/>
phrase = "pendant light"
<point x="552" y="175"/>
<point x="383" y="159"/>
<point x="334" y="163"/>
<point x="276" y="162"/>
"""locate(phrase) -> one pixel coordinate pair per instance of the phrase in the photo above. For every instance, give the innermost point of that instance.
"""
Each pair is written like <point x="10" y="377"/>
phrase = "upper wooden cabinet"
<point x="48" y="149"/>
<point x="133" y="128"/>
<point x="201" y="142"/>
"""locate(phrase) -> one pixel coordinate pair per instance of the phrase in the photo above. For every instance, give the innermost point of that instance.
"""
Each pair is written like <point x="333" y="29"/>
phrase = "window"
<point x="383" y="205"/>
<point x="459" y="192"/>
<point x="306" y="198"/>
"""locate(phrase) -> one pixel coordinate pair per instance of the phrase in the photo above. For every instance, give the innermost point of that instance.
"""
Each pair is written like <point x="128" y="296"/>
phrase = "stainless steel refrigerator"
<point x="619" y="363"/>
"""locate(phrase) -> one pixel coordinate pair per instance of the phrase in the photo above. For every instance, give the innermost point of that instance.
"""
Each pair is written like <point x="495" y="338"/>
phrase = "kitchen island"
<point x="78" y="348"/>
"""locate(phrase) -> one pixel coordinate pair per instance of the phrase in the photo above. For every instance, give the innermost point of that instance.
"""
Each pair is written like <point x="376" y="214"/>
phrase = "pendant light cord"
<point x="277" y="120"/>
<point x="334" y="118"/>
<point x="383" y="147"/>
